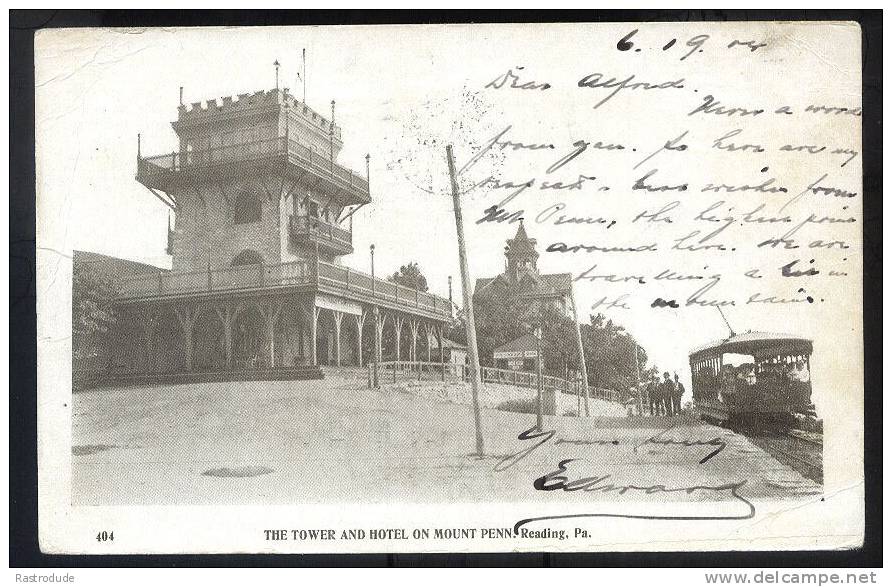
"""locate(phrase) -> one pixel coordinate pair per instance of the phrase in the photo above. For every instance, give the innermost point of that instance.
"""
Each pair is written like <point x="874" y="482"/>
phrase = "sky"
<point x="403" y="94"/>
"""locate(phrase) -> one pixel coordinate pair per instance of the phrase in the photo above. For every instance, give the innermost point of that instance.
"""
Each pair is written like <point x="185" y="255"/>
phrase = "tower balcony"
<point x="315" y="231"/>
<point x="296" y="161"/>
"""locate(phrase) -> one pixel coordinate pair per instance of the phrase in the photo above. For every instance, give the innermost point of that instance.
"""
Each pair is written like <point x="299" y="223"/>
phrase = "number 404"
<point x="105" y="536"/>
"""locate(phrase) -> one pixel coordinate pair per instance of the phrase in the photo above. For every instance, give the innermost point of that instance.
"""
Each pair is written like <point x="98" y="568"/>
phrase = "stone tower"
<point x="255" y="181"/>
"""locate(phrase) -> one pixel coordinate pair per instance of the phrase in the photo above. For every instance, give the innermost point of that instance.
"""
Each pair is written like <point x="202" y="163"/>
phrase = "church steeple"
<point x="521" y="254"/>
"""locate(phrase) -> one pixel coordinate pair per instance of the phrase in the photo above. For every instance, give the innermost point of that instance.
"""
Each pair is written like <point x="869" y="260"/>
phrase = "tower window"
<point x="247" y="208"/>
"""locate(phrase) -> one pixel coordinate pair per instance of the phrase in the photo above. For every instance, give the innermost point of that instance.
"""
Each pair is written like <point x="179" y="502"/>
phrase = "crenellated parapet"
<point x="246" y="104"/>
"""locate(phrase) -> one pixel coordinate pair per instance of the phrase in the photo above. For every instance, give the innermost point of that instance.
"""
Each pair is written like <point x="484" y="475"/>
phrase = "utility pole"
<point x="376" y="316"/>
<point x="470" y="327"/>
<point x="584" y="387"/>
<point x="537" y="333"/>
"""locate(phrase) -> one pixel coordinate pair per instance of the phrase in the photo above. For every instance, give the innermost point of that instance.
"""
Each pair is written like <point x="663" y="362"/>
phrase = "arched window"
<point x="247" y="208"/>
<point x="247" y="257"/>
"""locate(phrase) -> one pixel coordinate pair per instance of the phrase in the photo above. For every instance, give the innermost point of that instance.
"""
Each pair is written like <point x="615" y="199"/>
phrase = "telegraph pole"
<point x="638" y="378"/>
<point x="583" y="368"/>
<point x="376" y="316"/>
<point x="470" y="328"/>
<point x="537" y="333"/>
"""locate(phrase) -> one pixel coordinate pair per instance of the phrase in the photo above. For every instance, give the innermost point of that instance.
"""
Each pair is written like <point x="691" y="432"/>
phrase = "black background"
<point x="23" y="547"/>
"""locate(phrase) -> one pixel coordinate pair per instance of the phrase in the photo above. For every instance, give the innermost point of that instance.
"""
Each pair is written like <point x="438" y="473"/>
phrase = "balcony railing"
<point x="316" y="230"/>
<point x="324" y="276"/>
<point x="226" y="279"/>
<point x="360" y="284"/>
<point x="319" y="162"/>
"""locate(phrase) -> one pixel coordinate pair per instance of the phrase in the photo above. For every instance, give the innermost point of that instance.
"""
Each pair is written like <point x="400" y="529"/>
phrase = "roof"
<point x="521" y="245"/>
<point x="481" y="283"/>
<point x="527" y="342"/>
<point x="548" y="284"/>
<point x="751" y="342"/>
<point x="558" y="282"/>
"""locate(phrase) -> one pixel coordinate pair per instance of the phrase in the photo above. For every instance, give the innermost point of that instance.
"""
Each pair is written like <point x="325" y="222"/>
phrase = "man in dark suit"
<point x="667" y="388"/>
<point x="677" y="394"/>
<point x="654" y="397"/>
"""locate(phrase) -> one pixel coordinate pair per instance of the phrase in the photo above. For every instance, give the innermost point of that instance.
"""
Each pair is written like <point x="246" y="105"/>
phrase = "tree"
<point x="410" y="276"/>
<point x="93" y="314"/>
<point x="503" y="315"/>
<point x="609" y="354"/>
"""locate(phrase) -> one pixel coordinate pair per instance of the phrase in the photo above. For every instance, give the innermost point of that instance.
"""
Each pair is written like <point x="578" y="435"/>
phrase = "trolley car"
<point x="752" y="377"/>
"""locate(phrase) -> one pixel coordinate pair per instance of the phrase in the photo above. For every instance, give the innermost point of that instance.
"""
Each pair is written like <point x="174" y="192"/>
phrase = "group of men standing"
<point x="664" y="397"/>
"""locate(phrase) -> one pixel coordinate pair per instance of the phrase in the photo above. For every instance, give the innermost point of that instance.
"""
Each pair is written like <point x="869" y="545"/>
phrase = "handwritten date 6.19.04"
<point x="693" y="45"/>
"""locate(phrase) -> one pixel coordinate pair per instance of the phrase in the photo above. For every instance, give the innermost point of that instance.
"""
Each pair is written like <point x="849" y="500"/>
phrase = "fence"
<point x="393" y="371"/>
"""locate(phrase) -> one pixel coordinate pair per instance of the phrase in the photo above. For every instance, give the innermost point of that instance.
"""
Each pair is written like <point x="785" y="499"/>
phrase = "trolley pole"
<point x="584" y="387"/>
<point x="470" y="327"/>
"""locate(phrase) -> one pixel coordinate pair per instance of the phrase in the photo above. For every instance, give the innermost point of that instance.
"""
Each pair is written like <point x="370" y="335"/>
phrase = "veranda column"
<point x="338" y="317"/>
<point x="379" y="339"/>
<point x="397" y="330"/>
<point x="360" y="320"/>
<point x="413" y="356"/>
<point x="187" y="316"/>
<point x="442" y="353"/>
<point x="271" y="311"/>
<point x="149" y="318"/>
<point x="228" y="314"/>
<point x="314" y="319"/>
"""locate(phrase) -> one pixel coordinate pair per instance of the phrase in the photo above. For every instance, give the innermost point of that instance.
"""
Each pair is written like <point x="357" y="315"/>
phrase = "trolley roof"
<point x="755" y="343"/>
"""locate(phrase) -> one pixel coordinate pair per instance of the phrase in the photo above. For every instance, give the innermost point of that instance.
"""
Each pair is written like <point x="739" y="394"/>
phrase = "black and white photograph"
<point x="566" y="287"/>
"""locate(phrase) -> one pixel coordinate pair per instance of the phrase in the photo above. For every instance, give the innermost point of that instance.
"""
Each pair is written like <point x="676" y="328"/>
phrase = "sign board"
<point x="514" y="355"/>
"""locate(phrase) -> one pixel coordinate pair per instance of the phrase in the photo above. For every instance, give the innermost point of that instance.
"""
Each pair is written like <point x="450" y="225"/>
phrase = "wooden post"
<point x="470" y="327"/>
<point x="377" y="352"/>
<point x="270" y="312"/>
<point x="150" y="321"/>
<point x="360" y="320"/>
<point x="538" y="335"/>
<point x="397" y="331"/>
<point x="314" y="318"/>
<point x="442" y="354"/>
<point x="338" y="317"/>
<point x="187" y="318"/>
<point x="427" y="333"/>
<point x="227" y="316"/>
<point x="413" y="348"/>
<point x="584" y="386"/>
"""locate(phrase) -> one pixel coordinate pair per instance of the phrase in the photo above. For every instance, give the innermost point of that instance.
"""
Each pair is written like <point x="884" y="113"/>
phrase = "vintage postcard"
<point x="515" y="287"/>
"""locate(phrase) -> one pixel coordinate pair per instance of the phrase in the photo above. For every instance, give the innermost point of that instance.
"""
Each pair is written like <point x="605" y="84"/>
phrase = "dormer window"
<point x="247" y="208"/>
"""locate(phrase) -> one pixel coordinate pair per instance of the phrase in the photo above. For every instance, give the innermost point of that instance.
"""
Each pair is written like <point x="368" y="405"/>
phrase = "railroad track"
<point x="802" y="452"/>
